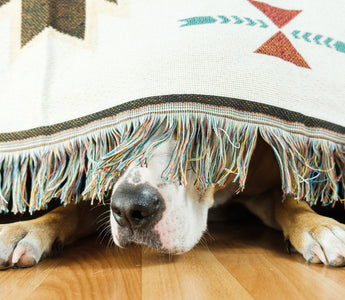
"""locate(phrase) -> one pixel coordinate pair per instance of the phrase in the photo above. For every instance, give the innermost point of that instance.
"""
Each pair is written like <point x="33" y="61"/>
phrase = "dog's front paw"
<point x="22" y="245"/>
<point x="322" y="240"/>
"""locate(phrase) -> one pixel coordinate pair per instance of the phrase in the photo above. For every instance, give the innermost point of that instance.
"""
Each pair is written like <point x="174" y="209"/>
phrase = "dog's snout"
<point x="129" y="214"/>
<point x="136" y="206"/>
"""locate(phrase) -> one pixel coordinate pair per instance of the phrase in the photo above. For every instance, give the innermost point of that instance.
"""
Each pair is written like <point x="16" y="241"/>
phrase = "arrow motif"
<point x="263" y="24"/>
<point x="295" y="33"/>
<point x="317" y="39"/>
<point x="339" y="46"/>
<point x="238" y="20"/>
<point x="221" y="19"/>
<point x="198" y="21"/>
<point x="306" y="37"/>
<point x="225" y="20"/>
<point x="250" y="22"/>
<point x="327" y="41"/>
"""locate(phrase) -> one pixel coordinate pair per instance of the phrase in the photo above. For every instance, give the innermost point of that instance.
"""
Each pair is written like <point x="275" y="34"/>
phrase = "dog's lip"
<point x="164" y="251"/>
<point x="149" y="238"/>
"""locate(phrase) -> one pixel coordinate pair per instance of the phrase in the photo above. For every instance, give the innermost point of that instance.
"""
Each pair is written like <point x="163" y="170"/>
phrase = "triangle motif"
<point x="278" y="16"/>
<point x="280" y="46"/>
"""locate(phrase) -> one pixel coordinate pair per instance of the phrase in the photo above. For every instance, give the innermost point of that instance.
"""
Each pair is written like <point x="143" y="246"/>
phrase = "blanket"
<point x="88" y="87"/>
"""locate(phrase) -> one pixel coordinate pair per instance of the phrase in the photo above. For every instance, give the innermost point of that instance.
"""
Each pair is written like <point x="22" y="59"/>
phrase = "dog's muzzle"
<point x="136" y="209"/>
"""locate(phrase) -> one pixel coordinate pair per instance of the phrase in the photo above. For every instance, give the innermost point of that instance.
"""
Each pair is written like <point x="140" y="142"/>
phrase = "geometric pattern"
<point x="278" y="16"/>
<point x="279" y="45"/>
<point x="319" y="39"/>
<point x="65" y="16"/>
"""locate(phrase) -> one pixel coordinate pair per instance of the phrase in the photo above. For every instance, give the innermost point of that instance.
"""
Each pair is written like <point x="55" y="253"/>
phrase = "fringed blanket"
<point x="86" y="85"/>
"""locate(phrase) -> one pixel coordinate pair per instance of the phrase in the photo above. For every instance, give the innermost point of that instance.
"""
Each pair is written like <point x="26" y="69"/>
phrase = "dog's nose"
<point x="136" y="206"/>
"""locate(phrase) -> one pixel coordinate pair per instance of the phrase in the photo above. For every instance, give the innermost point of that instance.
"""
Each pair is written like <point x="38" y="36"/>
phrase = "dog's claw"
<point x="288" y="246"/>
<point x="56" y="248"/>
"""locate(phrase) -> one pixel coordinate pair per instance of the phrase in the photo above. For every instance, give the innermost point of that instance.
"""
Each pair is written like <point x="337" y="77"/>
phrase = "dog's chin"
<point x="152" y="241"/>
<point x="166" y="242"/>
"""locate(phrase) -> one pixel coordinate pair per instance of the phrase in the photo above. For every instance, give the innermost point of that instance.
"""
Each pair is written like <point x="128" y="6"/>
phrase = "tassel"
<point x="217" y="148"/>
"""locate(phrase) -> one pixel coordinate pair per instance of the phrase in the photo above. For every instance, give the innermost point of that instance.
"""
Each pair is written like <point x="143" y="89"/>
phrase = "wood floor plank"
<point x="194" y="275"/>
<point x="89" y="271"/>
<point x="269" y="272"/>
<point x="305" y="278"/>
<point x="14" y="281"/>
<point x="241" y="261"/>
<point x="335" y="274"/>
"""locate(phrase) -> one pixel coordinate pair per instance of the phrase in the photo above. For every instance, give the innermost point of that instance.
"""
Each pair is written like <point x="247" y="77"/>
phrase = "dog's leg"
<point x="317" y="238"/>
<point x="23" y="244"/>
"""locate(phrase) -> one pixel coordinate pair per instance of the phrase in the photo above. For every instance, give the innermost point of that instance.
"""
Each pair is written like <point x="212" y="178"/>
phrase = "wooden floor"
<point x="240" y="261"/>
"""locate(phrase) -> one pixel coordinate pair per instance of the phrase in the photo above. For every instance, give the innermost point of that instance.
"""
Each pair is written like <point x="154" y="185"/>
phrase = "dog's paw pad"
<point x="20" y="246"/>
<point x="325" y="245"/>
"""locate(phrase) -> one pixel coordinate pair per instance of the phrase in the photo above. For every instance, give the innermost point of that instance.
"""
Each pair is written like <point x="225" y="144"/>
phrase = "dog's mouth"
<point x="147" y="215"/>
<point x="126" y="237"/>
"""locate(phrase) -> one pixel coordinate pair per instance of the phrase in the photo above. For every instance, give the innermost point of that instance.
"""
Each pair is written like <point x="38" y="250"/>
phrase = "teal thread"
<point x="198" y="21"/>
<point x="221" y="19"/>
<point x="295" y="33"/>
<point x="339" y="46"/>
<point x="250" y="22"/>
<point x="306" y="37"/>
<point x="263" y="24"/>
<point x="327" y="41"/>
<point x="319" y="39"/>
<point x="238" y="20"/>
<point x="225" y="20"/>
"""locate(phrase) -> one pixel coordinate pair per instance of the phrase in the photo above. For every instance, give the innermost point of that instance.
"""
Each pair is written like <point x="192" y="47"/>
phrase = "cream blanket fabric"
<point x="79" y="76"/>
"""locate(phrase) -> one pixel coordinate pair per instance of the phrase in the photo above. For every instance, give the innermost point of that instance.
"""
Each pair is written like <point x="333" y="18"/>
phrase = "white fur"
<point x="327" y="247"/>
<point x="185" y="216"/>
<point x="186" y="208"/>
<point x="180" y="226"/>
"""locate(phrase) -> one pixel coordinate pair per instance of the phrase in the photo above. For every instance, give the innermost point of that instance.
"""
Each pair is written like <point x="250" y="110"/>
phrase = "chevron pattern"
<point x="319" y="39"/>
<point x="199" y="20"/>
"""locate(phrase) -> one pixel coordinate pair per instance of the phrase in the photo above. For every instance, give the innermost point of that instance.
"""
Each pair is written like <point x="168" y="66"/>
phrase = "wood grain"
<point x="241" y="261"/>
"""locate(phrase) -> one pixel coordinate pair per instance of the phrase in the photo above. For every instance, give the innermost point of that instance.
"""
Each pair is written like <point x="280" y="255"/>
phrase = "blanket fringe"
<point x="218" y="149"/>
<point x="311" y="169"/>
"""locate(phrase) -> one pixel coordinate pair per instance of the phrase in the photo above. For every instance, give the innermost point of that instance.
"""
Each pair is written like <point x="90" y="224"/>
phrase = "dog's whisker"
<point x="109" y="240"/>
<point x="99" y="206"/>
<point x="106" y="231"/>
<point x="103" y="225"/>
<point x="104" y="214"/>
<point x="111" y="243"/>
<point x="209" y="235"/>
<point x="203" y="242"/>
<point x="102" y="221"/>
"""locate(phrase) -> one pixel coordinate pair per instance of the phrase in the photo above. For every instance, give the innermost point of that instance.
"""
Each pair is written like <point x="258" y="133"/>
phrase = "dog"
<point x="171" y="218"/>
